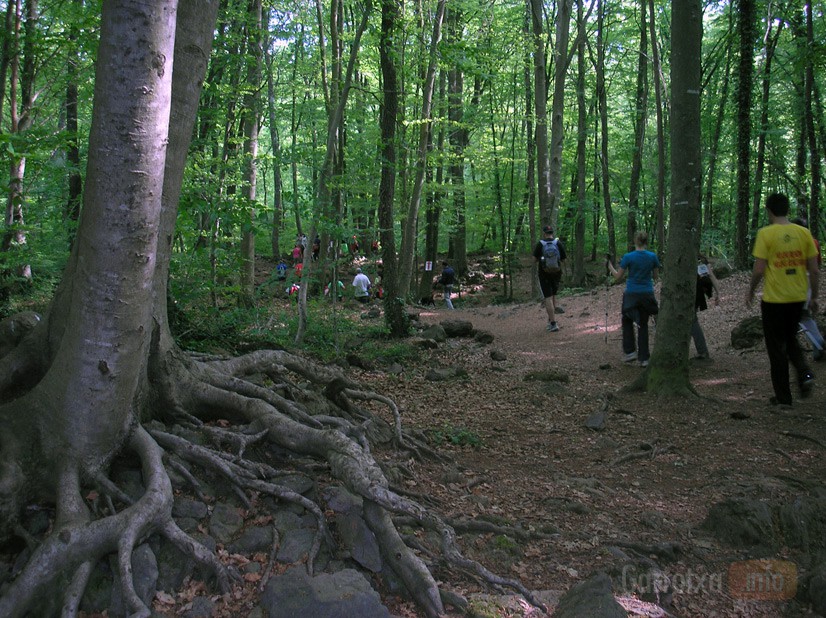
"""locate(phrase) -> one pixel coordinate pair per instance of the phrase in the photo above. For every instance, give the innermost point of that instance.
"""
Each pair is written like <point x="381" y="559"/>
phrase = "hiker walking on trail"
<point x="707" y="286"/>
<point x="638" y="300"/>
<point x="549" y="254"/>
<point x="447" y="279"/>
<point x="786" y="259"/>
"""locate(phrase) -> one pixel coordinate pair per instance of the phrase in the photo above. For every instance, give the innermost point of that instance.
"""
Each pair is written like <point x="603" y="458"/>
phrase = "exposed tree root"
<point x="320" y="419"/>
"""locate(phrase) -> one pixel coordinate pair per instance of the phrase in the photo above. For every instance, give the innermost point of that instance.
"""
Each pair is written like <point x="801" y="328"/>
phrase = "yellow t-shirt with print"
<point x="785" y="249"/>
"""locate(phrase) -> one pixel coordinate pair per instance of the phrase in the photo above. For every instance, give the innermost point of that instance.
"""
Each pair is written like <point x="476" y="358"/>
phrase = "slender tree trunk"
<point x="659" y="89"/>
<point x="581" y="144"/>
<point x="770" y="44"/>
<point x="324" y="193"/>
<point x="529" y="197"/>
<point x="603" y="137"/>
<point x="540" y="89"/>
<point x="251" y="121"/>
<point x="275" y="145"/>
<point x="709" y="219"/>
<point x="811" y="135"/>
<point x="408" y="248"/>
<point x="563" y="28"/>
<point x="640" y="121"/>
<point x="745" y="72"/>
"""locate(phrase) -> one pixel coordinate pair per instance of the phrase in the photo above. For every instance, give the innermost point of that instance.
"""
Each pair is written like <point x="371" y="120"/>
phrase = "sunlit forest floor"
<point x="524" y="454"/>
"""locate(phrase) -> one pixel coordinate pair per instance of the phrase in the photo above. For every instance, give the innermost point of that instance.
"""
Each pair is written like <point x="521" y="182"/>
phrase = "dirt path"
<point x="649" y="477"/>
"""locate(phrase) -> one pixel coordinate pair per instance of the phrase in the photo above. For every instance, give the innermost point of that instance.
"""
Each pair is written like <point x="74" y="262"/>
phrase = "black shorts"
<point x="549" y="283"/>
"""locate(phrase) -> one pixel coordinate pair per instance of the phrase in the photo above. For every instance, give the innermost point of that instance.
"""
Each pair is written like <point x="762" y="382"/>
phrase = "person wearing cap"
<point x="549" y="282"/>
<point x="362" y="284"/>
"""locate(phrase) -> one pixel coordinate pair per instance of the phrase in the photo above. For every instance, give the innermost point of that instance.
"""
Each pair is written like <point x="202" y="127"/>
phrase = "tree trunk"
<point x="563" y="28"/>
<point x="603" y="137"/>
<point x="540" y="88"/>
<point x="745" y="72"/>
<point x="578" y="279"/>
<point x="251" y="120"/>
<point x="640" y="121"/>
<point x="659" y="89"/>
<point x="811" y="135"/>
<point x="668" y="371"/>
<point x="770" y="43"/>
<point x="394" y="315"/>
<point x="408" y="248"/>
<point x="275" y="145"/>
<point x="709" y="219"/>
<point x="75" y="184"/>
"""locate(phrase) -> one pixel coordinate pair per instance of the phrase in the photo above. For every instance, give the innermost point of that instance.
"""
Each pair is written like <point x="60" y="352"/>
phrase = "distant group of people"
<point x="787" y="260"/>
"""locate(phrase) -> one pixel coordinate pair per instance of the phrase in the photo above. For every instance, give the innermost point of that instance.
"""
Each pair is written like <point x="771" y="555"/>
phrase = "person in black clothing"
<point x="707" y="286"/>
<point x="549" y="282"/>
<point x="447" y="280"/>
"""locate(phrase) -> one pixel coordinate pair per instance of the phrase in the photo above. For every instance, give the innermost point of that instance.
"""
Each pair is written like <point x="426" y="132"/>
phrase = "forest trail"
<point x="649" y="477"/>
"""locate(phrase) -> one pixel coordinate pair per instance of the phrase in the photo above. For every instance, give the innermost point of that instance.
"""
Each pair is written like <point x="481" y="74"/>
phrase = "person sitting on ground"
<point x="362" y="285"/>
<point x="707" y="286"/>
<point x="638" y="300"/>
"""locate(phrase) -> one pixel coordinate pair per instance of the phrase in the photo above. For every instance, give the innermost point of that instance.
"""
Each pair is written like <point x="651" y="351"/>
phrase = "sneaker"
<point x="644" y="363"/>
<point x="702" y="357"/>
<point x="631" y="356"/>
<point x="774" y="401"/>
<point x="553" y="327"/>
<point x="807" y="383"/>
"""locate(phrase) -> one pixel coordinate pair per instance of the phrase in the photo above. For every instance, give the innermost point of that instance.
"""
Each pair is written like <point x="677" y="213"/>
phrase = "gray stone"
<point x="425" y="344"/>
<point x="748" y="333"/>
<point x="183" y="507"/>
<point x="458" y="328"/>
<point x="742" y="523"/>
<point x="296" y="545"/>
<point x="359" y="540"/>
<point x="252" y="540"/>
<point x="345" y="593"/>
<point x="498" y="355"/>
<point x="483" y="337"/>
<point x="804" y="523"/>
<point x="299" y="483"/>
<point x="224" y="522"/>
<point x="341" y="500"/>
<point x="202" y="607"/>
<point x="435" y="332"/>
<point x="590" y="599"/>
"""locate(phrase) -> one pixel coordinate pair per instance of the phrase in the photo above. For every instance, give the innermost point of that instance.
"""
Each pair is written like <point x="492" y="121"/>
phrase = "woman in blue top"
<point x="638" y="301"/>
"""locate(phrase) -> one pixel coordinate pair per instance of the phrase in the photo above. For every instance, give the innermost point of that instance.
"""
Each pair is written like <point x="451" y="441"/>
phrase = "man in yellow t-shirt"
<point x="786" y="257"/>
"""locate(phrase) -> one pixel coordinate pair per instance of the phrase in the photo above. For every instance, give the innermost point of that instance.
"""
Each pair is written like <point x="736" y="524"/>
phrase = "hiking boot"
<point x="553" y="327"/>
<point x="701" y="357"/>
<point x="631" y="356"/>
<point x="807" y="383"/>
